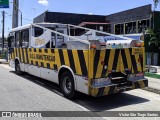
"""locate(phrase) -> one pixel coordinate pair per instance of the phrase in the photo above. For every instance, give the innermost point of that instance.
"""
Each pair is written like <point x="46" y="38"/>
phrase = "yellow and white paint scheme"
<point x="86" y="65"/>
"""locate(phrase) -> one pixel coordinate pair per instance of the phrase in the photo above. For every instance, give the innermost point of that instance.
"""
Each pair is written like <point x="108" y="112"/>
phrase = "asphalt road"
<point x="29" y="93"/>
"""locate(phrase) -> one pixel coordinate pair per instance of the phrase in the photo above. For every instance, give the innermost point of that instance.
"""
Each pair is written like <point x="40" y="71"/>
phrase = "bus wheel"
<point x="17" y="68"/>
<point x="67" y="85"/>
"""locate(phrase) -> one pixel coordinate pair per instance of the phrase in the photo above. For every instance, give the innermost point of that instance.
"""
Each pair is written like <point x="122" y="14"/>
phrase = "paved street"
<point x="29" y="93"/>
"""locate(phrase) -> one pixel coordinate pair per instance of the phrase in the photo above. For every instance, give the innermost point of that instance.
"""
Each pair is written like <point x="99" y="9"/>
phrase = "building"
<point x="97" y="22"/>
<point x="128" y="23"/>
<point x="135" y="22"/>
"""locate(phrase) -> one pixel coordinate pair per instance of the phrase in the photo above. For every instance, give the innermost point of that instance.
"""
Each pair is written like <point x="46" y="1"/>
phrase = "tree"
<point x="156" y="2"/>
<point x="153" y="43"/>
<point x="153" y="40"/>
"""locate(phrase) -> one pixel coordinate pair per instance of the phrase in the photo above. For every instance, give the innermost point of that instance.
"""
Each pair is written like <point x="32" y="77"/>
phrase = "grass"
<point x="152" y="75"/>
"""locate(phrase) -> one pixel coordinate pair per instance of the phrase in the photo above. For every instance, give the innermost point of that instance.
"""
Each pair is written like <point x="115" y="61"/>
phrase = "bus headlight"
<point x="101" y="82"/>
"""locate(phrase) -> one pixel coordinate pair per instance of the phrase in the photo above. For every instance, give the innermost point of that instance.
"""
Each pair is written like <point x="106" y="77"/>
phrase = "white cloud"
<point x="90" y="13"/>
<point x="43" y="2"/>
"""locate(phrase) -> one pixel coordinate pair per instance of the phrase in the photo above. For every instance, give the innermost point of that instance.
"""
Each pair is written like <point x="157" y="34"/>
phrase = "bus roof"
<point x="29" y="25"/>
<point x="21" y="27"/>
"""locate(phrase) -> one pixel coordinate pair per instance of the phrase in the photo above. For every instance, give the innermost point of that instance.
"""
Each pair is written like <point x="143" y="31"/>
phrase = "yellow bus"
<point x="75" y="59"/>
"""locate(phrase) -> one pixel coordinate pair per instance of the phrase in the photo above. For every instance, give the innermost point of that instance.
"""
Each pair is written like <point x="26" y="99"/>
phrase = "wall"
<point x="129" y="15"/>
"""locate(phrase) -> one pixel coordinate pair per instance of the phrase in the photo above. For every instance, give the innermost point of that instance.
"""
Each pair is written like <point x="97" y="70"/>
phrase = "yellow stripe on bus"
<point x="57" y="58"/>
<point x="77" y="63"/>
<point x="128" y="58"/>
<point x="121" y="63"/>
<point x="138" y="63"/>
<point x="25" y="58"/>
<point x="111" y="59"/>
<point x="66" y="58"/>
<point x="21" y="55"/>
<point x="86" y="55"/>
<point x="100" y="66"/>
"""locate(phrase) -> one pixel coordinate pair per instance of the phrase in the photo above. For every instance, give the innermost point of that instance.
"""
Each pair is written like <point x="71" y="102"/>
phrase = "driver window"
<point x="25" y="38"/>
<point x="17" y="39"/>
<point x="11" y="42"/>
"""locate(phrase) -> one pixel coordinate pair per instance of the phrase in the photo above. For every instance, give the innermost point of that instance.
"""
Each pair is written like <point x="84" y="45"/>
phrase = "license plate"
<point x="139" y="74"/>
<point x="133" y="77"/>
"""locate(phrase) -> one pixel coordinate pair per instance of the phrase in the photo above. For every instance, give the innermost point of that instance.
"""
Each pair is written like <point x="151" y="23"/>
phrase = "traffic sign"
<point x="4" y="3"/>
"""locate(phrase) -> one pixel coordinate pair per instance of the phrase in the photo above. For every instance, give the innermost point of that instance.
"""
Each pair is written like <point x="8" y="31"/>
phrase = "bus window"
<point x="60" y="39"/>
<point x="17" y="39"/>
<point x="38" y="31"/>
<point x="25" y="38"/>
<point x="11" y="41"/>
<point x="53" y="37"/>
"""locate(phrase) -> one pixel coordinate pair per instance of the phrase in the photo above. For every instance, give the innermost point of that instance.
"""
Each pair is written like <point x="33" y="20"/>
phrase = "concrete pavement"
<point x="153" y="83"/>
<point x="3" y="61"/>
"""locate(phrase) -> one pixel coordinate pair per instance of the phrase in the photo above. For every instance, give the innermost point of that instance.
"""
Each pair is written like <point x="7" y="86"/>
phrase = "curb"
<point x="4" y="62"/>
<point x="152" y="90"/>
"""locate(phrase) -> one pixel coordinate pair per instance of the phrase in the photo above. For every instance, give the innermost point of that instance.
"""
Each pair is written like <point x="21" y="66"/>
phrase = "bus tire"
<point x="67" y="85"/>
<point x="18" y="68"/>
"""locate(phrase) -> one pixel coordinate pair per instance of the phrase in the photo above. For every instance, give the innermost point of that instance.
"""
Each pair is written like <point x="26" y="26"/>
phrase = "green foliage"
<point x="151" y="32"/>
<point x="153" y="42"/>
<point x="152" y="75"/>
<point x="156" y="2"/>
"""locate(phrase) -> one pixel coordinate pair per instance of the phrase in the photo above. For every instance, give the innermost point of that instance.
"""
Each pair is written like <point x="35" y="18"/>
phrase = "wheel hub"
<point x="67" y="85"/>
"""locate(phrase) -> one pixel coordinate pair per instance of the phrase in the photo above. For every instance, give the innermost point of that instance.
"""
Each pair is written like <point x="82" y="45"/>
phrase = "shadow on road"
<point x="110" y="102"/>
<point x="93" y="104"/>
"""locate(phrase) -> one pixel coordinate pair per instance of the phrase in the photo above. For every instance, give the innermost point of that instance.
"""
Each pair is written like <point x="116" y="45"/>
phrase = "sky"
<point x="33" y="8"/>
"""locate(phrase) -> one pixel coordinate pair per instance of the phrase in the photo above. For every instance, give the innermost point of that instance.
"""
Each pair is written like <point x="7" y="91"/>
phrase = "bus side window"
<point x="60" y="39"/>
<point x="25" y="38"/>
<point x="17" y="39"/>
<point x="11" y="42"/>
<point x="37" y="32"/>
<point x="53" y="37"/>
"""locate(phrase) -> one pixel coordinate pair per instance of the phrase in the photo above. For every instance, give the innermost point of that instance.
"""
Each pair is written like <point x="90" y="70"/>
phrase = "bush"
<point x="152" y="75"/>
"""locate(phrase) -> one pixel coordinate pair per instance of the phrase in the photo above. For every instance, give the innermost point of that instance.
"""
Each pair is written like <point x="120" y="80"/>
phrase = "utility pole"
<point x="3" y="21"/>
<point x="15" y="13"/>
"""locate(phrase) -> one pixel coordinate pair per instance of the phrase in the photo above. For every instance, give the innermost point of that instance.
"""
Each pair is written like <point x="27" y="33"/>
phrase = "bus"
<point x="73" y="57"/>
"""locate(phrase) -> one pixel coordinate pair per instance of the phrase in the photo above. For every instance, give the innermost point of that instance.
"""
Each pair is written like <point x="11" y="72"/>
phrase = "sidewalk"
<point x="153" y="83"/>
<point x="3" y="61"/>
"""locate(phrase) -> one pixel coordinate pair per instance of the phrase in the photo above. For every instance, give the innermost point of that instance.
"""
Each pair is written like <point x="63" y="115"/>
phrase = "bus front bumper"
<point x="113" y="88"/>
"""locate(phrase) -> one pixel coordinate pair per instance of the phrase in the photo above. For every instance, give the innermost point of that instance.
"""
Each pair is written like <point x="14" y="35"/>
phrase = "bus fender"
<point x="69" y="69"/>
